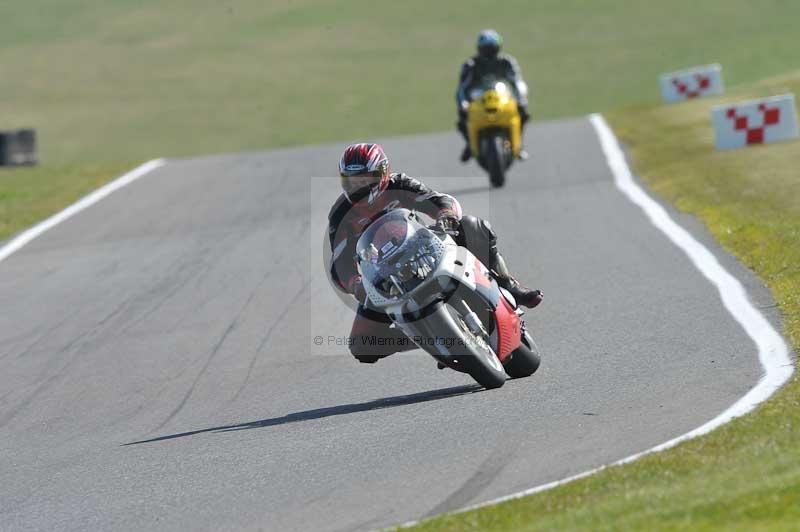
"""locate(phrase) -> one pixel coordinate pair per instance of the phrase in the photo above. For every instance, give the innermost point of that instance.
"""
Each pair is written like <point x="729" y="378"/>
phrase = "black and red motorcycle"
<point x="444" y="299"/>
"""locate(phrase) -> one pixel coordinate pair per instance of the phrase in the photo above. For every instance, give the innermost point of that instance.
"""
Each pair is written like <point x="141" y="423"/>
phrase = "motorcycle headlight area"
<point x="403" y="272"/>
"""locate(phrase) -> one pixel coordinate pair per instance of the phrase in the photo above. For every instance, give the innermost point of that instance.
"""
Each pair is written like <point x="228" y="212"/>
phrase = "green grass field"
<point x="110" y="84"/>
<point x="746" y="475"/>
<point x="113" y="82"/>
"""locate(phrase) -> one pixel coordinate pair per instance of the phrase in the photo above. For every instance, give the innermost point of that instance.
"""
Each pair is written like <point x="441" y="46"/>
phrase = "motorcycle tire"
<point x="525" y="359"/>
<point x="480" y="362"/>
<point x="495" y="158"/>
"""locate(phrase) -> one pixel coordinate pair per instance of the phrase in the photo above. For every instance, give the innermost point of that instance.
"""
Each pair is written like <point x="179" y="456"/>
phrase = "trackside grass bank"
<point x="110" y="84"/>
<point x="29" y="195"/>
<point x="745" y="475"/>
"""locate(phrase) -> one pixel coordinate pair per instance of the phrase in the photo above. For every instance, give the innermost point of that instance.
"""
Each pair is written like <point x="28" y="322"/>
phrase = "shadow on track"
<point x="319" y="413"/>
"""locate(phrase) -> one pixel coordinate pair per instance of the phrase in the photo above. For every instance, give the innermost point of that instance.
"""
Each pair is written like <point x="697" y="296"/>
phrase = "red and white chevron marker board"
<point x="692" y="83"/>
<point x="755" y="122"/>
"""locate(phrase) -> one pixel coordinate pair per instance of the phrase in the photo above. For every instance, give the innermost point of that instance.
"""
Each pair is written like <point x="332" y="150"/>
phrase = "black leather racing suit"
<point x="475" y="69"/>
<point x="348" y="220"/>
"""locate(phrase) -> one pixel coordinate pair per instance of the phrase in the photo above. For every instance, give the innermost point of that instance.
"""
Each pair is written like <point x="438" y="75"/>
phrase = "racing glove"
<point x="448" y="224"/>
<point x="356" y="287"/>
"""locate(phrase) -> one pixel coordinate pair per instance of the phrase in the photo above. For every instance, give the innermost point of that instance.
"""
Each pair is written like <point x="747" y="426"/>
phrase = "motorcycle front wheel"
<point x="477" y="358"/>
<point x="495" y="157"/>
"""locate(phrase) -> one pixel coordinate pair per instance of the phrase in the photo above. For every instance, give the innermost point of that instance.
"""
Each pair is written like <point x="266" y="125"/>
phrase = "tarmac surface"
<point x="160" y="370"/>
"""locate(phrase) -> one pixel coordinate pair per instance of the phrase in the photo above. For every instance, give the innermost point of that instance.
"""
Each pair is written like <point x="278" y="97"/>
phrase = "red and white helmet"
<point x="364" y="169"/>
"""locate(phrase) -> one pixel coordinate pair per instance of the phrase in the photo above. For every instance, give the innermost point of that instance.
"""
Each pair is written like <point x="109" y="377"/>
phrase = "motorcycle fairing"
<point x="495" y="109"/>
<point x="423" y="308"/>
<point x="509" y="335"/>
<point x="460" y="264"/>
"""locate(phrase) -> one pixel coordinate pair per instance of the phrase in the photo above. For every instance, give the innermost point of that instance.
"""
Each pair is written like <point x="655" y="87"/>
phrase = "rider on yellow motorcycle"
<point x="489" y="62"/>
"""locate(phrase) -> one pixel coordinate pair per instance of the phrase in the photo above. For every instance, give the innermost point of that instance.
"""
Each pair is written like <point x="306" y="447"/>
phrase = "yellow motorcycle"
<point x="494" y="128"/>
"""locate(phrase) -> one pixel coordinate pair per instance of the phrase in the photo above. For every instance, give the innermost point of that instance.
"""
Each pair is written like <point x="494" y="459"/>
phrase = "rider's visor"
<point x="354" y="182"/>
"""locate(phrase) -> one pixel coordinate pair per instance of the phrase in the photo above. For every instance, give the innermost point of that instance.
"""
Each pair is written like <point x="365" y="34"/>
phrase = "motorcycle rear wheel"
<point x="525" y="359"/>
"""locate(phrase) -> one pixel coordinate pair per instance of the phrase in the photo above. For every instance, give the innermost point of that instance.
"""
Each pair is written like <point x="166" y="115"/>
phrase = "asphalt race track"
<point x="159" y="369"/>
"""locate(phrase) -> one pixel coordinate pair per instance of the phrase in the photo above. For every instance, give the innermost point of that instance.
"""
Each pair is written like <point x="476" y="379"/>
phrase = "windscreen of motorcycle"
<point x="397" y="253"/>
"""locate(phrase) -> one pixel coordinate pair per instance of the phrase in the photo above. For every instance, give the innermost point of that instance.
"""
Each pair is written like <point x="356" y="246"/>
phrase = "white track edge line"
<point x="16" y="243"/>
<point x="773" y="353"/>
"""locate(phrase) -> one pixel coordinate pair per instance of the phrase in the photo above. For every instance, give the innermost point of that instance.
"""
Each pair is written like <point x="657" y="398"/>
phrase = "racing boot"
<point x="524" y="295"/>
<point x="479" y="237"/>
<point x="466" y="154"/>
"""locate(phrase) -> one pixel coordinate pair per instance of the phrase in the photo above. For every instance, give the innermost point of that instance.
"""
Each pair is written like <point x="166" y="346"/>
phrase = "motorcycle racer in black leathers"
<point x="370" y="190"/>
<point x="489" y="62"/>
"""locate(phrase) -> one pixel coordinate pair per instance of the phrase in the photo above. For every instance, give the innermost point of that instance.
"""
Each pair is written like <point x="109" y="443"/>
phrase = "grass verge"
<point x="130" y="80"/>
<point x="30" y="194"/>
<point x="745" y="475"/>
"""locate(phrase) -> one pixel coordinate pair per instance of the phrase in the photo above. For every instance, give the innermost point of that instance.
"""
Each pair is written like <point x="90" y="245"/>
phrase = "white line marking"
<point x="26" y="236"/>
<point x="772" y="350"/>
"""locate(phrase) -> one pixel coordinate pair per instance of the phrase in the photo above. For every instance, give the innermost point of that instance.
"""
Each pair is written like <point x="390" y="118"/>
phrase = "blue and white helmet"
<point x="489" y="43"/>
